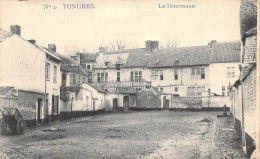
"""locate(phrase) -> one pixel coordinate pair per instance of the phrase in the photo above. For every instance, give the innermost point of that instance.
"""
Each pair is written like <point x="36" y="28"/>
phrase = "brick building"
<point x="244" y="109"/>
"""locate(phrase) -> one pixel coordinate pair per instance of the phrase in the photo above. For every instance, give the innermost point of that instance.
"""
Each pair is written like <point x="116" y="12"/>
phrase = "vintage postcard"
<point x="168" y="79"/>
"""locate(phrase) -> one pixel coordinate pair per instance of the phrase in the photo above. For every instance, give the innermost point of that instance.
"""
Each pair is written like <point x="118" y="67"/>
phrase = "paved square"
<point x="153" y="134"/>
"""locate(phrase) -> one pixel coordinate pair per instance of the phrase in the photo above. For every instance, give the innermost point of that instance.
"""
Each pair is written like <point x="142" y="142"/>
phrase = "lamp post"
<point x="209" y="91"/>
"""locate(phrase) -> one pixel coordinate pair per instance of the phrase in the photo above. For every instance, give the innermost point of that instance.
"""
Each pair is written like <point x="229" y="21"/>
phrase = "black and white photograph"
<point x="129" y="79"/>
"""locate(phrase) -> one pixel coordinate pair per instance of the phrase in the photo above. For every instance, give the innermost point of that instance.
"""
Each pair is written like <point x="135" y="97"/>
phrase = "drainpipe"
<point x="243" y="120"/>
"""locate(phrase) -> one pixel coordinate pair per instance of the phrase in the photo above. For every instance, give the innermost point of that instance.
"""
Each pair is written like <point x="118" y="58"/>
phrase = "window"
<point x="106" y="63"/>
<point x="102" y="77"/>
<point x="63" y="79"/>
<point x="48" y="71"/>
<point x="232" y="72"/>
<point x="117" y="66"/>
<point x="227" y="93"/>
<point x="98" y="77"/>
<point x="136" y="75"/>
<point x="88" y="67"/>
<point x="140" y="76"/>
<point x="132" y="76"/>
<point x="154" y="75"/>
<point x="228" y="88"/>
<point x="118" y="76"/>
<point x="223" y="93"/>
<point x="223" y="88"/>
<point x="193" y="73"/>
<point x="89" y="78"/>
<point x="176" y="74"/>
<point x="202" y="71"/>
<point x="161" y="75"/>
<point x="106" y="76"/>
<point x="191" y="91"/>
<point x="73" y="78"/>
<point x="228" y="72"/>
<point x="176" y="89"/>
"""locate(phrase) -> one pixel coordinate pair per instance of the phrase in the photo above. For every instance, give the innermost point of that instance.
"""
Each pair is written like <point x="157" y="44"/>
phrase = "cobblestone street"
<point x="156" y="134"/>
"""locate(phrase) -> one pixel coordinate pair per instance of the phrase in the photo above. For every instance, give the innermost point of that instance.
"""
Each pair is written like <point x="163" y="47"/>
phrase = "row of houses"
<point x="243" y="93"/>
<point x="38" y="80"/>
<point x="185" y="72"/>
<point x="133" y="78"/>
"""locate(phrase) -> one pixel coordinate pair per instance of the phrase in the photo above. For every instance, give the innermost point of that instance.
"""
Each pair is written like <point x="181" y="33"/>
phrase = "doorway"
<point x="39" y="110"/>
<point x="126" y="101"/>
<point x="115" y="107"/>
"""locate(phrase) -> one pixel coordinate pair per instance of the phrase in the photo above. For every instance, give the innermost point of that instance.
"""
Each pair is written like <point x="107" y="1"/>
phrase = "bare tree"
<point x="117" y="45"/>
<point x="169" y="44"/>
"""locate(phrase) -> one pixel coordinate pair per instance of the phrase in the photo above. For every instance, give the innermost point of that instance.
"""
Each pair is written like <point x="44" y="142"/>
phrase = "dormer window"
<point x="106" y="63"/>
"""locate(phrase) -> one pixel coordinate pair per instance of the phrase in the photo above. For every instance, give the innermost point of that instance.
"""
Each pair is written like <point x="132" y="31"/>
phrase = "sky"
<point x="130" y="21"/>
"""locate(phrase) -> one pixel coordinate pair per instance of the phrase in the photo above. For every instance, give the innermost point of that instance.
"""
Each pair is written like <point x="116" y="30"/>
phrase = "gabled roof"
<point x="99" y="89"/>
<point x="112" y="58"/>
<point x="184" y="56"/>
<point x="126" y="90"/>
<point x="88" y="57"/>
<point x="225" y="52"/>
<point x="5" y="90"/>
<point x="65" y="89"/>
<point x="137" y="58"/>
<point x="4" y="35"/>
<point x="152" y="91"/>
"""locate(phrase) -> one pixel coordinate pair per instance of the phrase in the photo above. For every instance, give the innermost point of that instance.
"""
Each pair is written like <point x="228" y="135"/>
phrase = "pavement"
<point x="151" y="135"/>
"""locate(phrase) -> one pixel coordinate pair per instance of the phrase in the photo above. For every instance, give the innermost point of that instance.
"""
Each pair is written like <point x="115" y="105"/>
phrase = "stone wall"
<point x="27" y="103"/>
<point x="250" y="49"/>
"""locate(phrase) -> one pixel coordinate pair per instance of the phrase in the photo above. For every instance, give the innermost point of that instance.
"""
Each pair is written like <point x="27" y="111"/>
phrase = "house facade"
<point x="33" y="84"/>
<point x="184" y="71"/>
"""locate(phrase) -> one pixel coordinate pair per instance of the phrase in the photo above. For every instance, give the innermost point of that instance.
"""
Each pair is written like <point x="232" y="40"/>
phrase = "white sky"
<point x="129" y="20"/>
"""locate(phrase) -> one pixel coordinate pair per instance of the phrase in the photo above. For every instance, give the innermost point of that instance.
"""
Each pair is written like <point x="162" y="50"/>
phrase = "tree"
<point x="169" y="44"/>
<point x="117" y="45"/>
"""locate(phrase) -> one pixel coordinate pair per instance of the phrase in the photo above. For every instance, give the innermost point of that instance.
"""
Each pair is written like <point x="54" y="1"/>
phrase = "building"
<point x="32" y="84"/>
<point x="184" y="71"/>
<point x="87" y="61"/>
<point x="243" y="92"/>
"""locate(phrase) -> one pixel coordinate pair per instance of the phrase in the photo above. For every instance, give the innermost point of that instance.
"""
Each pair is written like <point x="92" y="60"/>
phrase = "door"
<point x="167" y="103"/>
<point x="39" y="110"/>
<point x="126" y="101"/>
<point x="115" y="104"/>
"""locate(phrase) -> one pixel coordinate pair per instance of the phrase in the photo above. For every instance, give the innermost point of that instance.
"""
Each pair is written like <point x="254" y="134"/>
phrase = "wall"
<point x="16" y="60"/>
<point x="186" y="102"/>
<point x="218" y="77"/>
<point x="216" y="101"/>
<point x="65" y="106"/>
<point x="249" y="103"/>
<point x="146" y="101"/>
<point x="28" y="104"/>
<point x="250" y="49"/>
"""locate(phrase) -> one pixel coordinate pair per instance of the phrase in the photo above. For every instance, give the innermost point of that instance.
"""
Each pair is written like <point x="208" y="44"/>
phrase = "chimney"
<point x="52" y="47"/>
<point x="212" y="43"/>
<point x="102" y="49"/>
<point x="32" y="41"/>
<point x="78" y="58"/>
<point x="151" y="45"/>
<point x="15" y="29"/>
